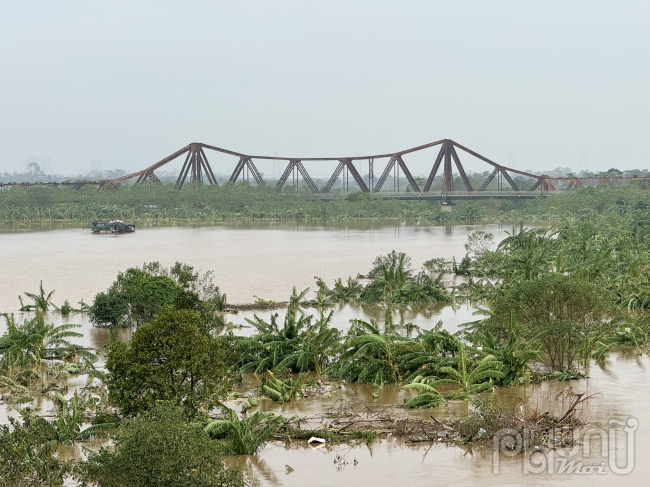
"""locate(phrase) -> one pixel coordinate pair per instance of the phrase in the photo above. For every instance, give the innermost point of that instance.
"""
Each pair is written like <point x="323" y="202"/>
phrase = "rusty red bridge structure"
<point x="196" y="169"/>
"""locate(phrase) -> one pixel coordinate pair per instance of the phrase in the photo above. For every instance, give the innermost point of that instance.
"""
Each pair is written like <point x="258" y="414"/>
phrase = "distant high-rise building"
<point x="96" y="166"/>
<point x="46" y="164"/>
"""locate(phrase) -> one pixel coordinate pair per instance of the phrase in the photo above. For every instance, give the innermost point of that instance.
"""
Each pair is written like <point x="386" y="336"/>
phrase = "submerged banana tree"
<point x="370" y="355"/>
<point x="317" y="344"/>
<point x="41" y="300"/>
<point x="628" y="335"/>
<point x="282" y="390"/>
<point x="299" y="346"/>
<point x="70" y="417"/>
<point x="473" y="382"/>
<point x="272" y="344"/>
<point x="244" y="436"/>
<point x="296" y="297"/>
<point x="428" y="396"/>
<point x="470" y="382"/>
<point x="435" y="348"/>
<point x="515" y="354"/>
<point x="392" y="281"/>
<point x="35" y="340"/>
<point x="341" y="292"/>
<point x="15" y="344"/>
<point x="420" y="289"/>
<point x="389" y="273"/>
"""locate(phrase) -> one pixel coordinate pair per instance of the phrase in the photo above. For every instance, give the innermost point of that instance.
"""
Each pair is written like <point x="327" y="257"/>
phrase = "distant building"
<point x="96" y="166"/>
<point x="46" y="164"/>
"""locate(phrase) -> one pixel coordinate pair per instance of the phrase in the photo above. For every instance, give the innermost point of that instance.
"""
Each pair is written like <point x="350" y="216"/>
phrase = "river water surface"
<point x="267" y="260"/>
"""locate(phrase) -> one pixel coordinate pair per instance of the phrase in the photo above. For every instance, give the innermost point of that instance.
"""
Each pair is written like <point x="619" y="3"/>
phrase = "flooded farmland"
<point x="267" y="260"/>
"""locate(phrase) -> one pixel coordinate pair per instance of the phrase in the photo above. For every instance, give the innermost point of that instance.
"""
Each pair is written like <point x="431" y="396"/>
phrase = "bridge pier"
<point x="447" y="206"/>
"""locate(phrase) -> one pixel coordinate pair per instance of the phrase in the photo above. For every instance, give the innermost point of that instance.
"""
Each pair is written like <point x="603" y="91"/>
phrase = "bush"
<point x="27" y="454"/>
<point x="565" y="314"/>
<point x="159" y="448"/>
<point x="169" y="359"/>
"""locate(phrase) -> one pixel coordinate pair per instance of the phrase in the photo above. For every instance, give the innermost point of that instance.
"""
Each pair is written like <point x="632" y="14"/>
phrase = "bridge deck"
<point x="451" y="195"/>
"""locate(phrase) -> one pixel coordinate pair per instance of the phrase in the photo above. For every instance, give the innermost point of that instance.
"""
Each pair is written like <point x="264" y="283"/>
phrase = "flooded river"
<point x="261" y="259"/>
<point x="267" y="260"/>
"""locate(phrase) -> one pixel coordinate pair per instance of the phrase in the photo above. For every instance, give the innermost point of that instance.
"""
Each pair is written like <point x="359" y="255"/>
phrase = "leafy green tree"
<point x="170" y="358"/>
<point x="136" y="297"/>
<point x="28" y="454"/>
<point x="210" y="298"/>
<point x="479" y="242"/>
<point x="566" y="315"/>
<point x="437" y="265"/>
<point x="159" y="449"/>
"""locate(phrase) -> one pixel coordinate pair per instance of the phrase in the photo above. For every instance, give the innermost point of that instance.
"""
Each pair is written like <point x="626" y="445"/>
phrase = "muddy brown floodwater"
<point x="267" y="260"/>
<point x="622" y="392"/>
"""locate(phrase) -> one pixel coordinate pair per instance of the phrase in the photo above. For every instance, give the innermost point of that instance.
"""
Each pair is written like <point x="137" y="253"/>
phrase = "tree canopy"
<point x="159" y="448"/>
<point x="27" y="454"/>
<point x="137" y="295"/>
<point x="565" y="314"/>
<point x="170" y="358"/>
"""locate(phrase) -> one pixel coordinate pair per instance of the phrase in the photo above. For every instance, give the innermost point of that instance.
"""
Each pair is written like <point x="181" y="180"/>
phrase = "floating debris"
<point x="314" y="439"/>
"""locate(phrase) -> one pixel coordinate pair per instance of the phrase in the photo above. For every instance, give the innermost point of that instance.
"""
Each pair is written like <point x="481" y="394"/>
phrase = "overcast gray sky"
<point x="532" y="84"/>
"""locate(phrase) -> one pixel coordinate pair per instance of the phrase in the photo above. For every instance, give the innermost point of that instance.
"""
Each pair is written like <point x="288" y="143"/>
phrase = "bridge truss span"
<point x="197" y="169"/>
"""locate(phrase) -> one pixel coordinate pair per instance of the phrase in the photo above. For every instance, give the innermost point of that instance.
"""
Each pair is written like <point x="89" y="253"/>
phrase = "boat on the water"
<point x="113" y="226"/>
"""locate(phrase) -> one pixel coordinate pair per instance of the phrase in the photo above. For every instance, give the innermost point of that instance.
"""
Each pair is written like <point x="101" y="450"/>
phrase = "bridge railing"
<point x="448" y="194"/>
<point x="493" y="193"/>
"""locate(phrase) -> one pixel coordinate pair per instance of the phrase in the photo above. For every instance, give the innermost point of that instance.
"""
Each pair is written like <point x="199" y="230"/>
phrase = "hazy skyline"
<point x="532" y="85"/>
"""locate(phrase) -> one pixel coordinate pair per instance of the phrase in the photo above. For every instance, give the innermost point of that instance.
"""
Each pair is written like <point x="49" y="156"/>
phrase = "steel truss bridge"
<point x="196" y="169"/>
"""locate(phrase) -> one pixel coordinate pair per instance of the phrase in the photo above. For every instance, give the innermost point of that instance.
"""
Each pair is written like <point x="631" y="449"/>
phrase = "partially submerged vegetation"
<point x="551" y="300"/>
<point x="33" y="341"/>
